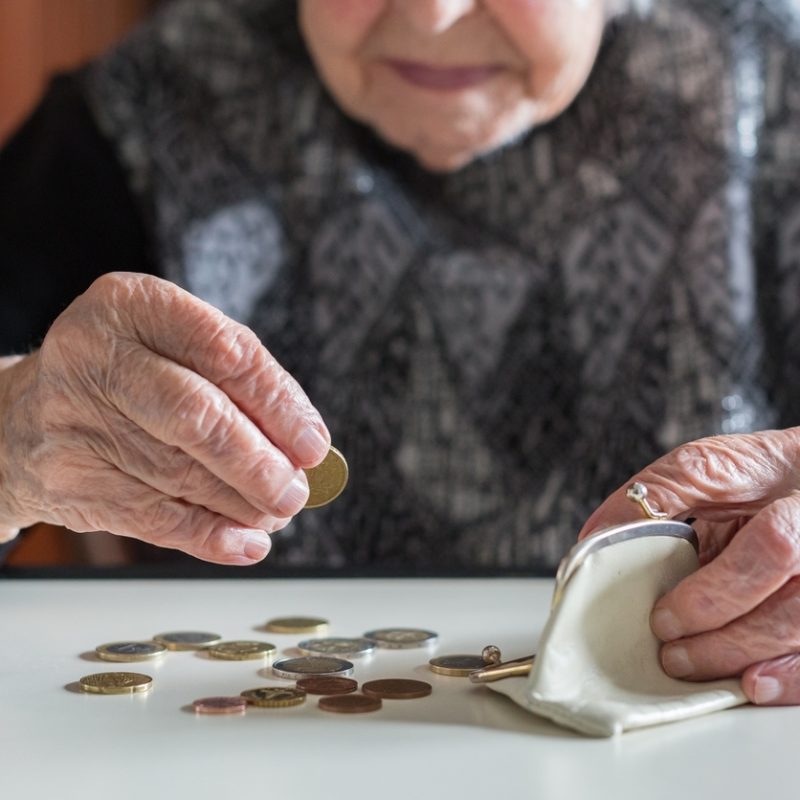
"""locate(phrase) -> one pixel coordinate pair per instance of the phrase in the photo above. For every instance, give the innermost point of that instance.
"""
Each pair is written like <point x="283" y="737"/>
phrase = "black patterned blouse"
<point x="497" y="349"/>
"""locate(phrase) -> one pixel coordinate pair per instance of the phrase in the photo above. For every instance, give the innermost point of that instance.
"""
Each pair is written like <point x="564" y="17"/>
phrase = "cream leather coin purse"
<point x="597" y="668"/>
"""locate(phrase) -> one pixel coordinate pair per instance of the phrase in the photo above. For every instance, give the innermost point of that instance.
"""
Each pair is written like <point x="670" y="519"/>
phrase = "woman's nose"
<point x="434" y="16"/>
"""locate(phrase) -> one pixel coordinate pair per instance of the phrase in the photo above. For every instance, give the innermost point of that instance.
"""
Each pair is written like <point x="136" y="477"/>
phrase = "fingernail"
<point x="767" y="689"/>
<point x="665" y="625"/>
<point x="310" y="446"/>
<point x="676" y="662"/>
<point x="256" y="546"/>
<point x="293" y="499"/>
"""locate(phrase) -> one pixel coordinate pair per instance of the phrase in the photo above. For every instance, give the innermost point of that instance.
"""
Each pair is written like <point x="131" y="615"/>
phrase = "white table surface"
<point x="462" y="742"/>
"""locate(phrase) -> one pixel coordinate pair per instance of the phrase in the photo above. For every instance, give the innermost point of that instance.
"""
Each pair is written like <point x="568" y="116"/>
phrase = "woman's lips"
<point x="442" y="79"/>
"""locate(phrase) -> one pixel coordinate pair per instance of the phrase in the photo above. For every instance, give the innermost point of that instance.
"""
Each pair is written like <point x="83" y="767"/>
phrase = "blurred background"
<point x="39" y="38"/>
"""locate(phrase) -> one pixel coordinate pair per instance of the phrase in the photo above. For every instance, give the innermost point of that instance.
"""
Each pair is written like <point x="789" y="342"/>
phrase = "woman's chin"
<point x="436" y="157"/>
<point x="444" y="162"/>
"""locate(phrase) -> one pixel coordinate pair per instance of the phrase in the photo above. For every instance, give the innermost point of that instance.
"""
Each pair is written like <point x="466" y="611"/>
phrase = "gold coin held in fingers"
<point x="327" y="480"/>
<point x="116" y="683"/>
<point x="242" y="650"/>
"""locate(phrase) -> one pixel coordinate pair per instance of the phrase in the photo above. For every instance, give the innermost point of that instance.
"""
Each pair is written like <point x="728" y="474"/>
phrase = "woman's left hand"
<point x="739" y="614"/>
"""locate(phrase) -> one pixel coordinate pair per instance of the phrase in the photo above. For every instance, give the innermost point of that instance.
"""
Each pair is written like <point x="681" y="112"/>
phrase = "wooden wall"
<point x="40" y="37"/>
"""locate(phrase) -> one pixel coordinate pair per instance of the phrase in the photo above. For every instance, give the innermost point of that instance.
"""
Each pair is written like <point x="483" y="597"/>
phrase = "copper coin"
<point x="350" y="703"/>
<point x="397" y="689"/>
<point x="220" y="705"/>
<point x="327" y="685"/>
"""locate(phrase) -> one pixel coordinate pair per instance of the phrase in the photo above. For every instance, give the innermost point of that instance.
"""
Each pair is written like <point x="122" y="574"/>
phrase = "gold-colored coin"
<point x="274" y="697"/>
<point x="130" y="651"/>
<point x="458" y="666"/>
<point x="242" y="650"/>
<point x="327" y="480"/>
<point x="297" y="625"/>
<point x="116" y="683"/>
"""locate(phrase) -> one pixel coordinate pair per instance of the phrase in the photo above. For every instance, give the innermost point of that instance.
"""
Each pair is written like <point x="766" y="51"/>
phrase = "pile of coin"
<point x="321" y="671"/>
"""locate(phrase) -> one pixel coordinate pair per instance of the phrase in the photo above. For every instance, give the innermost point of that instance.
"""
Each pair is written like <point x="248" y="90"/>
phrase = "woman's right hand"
<point x="148" y="413"/>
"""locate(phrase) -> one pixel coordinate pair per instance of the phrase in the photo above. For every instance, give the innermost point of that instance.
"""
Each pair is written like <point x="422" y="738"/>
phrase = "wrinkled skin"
<point x="739" y="614"/>
<point x="148" y="413"/>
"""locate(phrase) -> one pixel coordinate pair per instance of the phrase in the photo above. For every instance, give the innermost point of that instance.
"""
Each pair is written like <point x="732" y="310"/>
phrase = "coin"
<point x="350" y="704"/>
<point x="130" y="651"/>
<point x="337" y="646"/>
<point x="242" y="651"/>
<point x="187" y="640"/>
<point x="297" y="625"/>
<point x="327" y="480"/>
<point x="274" y="697"/>
<point x="220" y="705"/>
<point x="327" y="686"/>
<point x="116" y="683"/>
<point x="402" y="638"/>
<point x="312" y="665"/>
<point x="397" y="689"/>
<point x="456" y="666"/>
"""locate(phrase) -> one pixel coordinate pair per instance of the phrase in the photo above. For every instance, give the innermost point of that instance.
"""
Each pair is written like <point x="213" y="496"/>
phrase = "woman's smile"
<point x="443" y="78"/>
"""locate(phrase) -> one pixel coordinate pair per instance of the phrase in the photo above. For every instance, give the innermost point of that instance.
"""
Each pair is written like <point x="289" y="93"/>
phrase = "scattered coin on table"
<point x="350" y="704"/>
<point x="274" y="697"/>
<point x="130" y="651"/>
<point x="116" y="683"/>
<point x="402" y="638"/>
<point x="220" y="705"/>
<point x="327" y="686"/>
<point x="187" y="640"/>
<point x="327" y="480"/>
<point x="297" y="625"/>
<point x="457" y="666"/>
<point x="396" y="689"/>
<point x="242" y="650"/>
<point x="312" y="665"/>
<point x="338" y="646"/>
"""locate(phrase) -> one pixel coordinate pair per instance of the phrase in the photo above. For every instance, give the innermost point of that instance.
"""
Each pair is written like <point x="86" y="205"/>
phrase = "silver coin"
<point x="130" y="651"/>
<point x="402" y="638"/>
<point x="312" y="665"/>
<point x="337" y="646"/>
<point x="187" y="640"/>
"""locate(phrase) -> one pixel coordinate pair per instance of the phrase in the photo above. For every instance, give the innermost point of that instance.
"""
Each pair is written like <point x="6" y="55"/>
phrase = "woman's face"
<point x="447" y="80"/>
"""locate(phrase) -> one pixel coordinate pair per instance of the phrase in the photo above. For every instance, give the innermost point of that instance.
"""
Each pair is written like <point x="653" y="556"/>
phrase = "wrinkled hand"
<point x="148" y="413"/>
<point x="739" y="614"/>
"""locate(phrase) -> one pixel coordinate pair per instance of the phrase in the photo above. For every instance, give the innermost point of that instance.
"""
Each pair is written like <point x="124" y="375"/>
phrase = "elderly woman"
<point x="513" y="250"/>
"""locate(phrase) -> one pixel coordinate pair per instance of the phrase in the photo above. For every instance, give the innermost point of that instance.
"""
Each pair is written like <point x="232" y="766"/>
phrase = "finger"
<point x="714" y="537"/>
<point x="180" y="408"/>
<point x="184" y="329"/>
<point x="174" y="473"/>
<point x="770" y="631"/>
<point x="760" y="559"/>
<point x="717" y="478"/>
<point x="125" y="506"/>
<point x="774" y="683"/>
